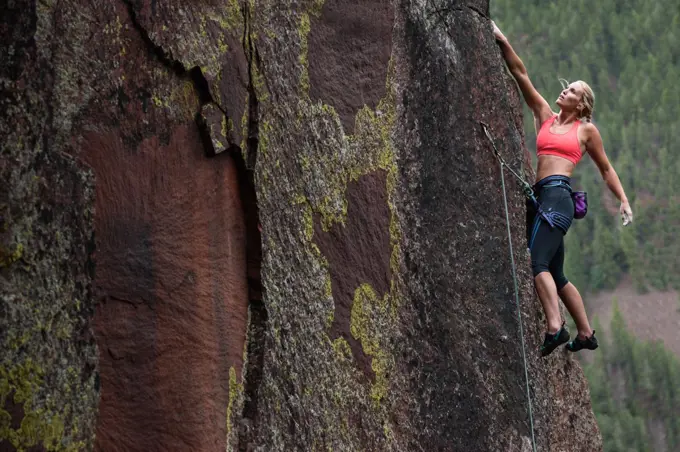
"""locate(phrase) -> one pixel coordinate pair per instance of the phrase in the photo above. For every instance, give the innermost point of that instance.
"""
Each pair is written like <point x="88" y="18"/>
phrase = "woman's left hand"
<point x="498" y="34"/>
<point x="626" y="213"/>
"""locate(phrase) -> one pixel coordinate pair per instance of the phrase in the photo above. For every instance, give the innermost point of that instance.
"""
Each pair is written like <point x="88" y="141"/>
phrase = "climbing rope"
<point x="526" y="186"/>
<point x="528" y="191"/>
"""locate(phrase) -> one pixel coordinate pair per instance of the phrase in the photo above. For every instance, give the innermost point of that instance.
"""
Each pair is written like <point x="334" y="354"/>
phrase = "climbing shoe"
<point x="577" y="344"/>
<point x="552" y="341"/>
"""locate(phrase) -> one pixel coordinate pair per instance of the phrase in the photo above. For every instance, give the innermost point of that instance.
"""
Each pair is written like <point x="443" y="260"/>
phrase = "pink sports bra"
<point x="564" y="145"/>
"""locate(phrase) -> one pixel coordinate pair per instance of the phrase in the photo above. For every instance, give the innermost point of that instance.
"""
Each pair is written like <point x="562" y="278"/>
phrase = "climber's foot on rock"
<point x="589" y="343"/>
<point x="552" y="341"/>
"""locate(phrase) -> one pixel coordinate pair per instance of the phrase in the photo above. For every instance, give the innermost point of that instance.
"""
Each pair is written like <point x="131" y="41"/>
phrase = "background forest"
<point x="629" y="53"/>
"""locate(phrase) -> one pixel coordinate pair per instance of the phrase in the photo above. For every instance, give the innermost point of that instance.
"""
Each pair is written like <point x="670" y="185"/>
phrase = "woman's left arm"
<point x="595" y="148"/>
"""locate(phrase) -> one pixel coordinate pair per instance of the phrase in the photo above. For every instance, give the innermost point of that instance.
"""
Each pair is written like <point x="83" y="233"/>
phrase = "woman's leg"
<point x="544" y="244"/>
<point x="570" y="294"/>
<point x="574" y="303"/>
<point x="547" y="293"/>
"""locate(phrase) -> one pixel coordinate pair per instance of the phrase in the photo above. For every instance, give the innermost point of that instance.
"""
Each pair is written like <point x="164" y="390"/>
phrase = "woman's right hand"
<point x="626" y="213"/>
<point x="498" y="34"/>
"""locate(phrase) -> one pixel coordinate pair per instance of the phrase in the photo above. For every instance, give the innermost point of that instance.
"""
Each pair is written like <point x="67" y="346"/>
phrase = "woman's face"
<point x="570" y="97"/>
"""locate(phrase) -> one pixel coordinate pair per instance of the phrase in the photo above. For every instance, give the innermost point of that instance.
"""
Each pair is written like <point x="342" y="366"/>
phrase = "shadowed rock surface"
<point x="299" y="230"/>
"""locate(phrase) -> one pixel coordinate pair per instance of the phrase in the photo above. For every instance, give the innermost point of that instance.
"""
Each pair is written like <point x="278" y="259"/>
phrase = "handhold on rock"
<point x="216" y="129"/>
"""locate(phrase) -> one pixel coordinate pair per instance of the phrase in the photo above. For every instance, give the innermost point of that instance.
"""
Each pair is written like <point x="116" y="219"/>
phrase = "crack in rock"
<point x="195" y="74"/>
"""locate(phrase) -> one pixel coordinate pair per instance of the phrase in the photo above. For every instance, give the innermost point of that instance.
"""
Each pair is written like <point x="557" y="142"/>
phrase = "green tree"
<point x="605" y="271"/>
<point x="576" y="255"/>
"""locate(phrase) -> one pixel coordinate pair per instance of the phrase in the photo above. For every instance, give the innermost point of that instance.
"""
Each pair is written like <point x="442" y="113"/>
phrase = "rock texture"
<point x="48" y="385"/>
<point x="299" y="231"/>
<point x="171" y="282"/>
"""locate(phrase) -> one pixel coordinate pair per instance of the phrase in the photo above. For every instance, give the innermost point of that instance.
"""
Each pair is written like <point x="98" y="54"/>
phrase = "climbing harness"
<point x="529" y="193"/>
<point x="580" y="198"/>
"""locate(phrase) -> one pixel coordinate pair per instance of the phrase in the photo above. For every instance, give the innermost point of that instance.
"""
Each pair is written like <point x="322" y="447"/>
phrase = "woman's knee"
<point x="560" y="280"/>
<point x="538" y="267"/>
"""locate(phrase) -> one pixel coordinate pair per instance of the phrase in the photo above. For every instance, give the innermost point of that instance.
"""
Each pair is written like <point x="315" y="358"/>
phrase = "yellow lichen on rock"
<point x="39" y="426"/>
<point x="367" y="319"/>
<point x="235" y="403"/>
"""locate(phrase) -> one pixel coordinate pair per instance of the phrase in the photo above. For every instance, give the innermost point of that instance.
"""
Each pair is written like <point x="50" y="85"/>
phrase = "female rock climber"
<point x="562" y="140"/>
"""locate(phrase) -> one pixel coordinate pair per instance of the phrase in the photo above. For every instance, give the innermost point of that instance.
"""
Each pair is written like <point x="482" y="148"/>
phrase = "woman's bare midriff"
<point x="549" y="165"/>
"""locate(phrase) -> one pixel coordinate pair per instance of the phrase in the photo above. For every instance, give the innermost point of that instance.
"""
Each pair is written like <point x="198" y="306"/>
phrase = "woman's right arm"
<point x="537" y="104"/>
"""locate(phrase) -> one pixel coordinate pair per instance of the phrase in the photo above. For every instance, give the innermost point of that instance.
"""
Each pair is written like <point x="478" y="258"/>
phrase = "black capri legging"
<point x="545" y="241"/>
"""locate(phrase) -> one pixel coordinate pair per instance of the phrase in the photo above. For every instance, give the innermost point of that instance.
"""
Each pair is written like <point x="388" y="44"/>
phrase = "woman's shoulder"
<point x="587" y="132"/>
<point x="588" y="127"/>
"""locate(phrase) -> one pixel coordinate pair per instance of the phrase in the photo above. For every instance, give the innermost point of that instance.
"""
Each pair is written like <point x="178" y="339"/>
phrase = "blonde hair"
<point x="587" y="99"/>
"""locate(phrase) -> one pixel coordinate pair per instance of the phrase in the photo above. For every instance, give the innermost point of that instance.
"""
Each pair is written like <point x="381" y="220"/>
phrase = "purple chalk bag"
<point x="580" y="199"/>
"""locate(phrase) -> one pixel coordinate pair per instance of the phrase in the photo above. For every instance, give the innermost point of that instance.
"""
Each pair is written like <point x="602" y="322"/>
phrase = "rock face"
<point x="299" y="231"/>
<point x="48" y="384"/>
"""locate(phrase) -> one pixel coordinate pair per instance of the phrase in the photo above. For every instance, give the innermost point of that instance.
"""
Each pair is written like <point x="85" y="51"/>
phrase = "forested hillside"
<point x="629" y="53"/>
<point x="635" y="392"/>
